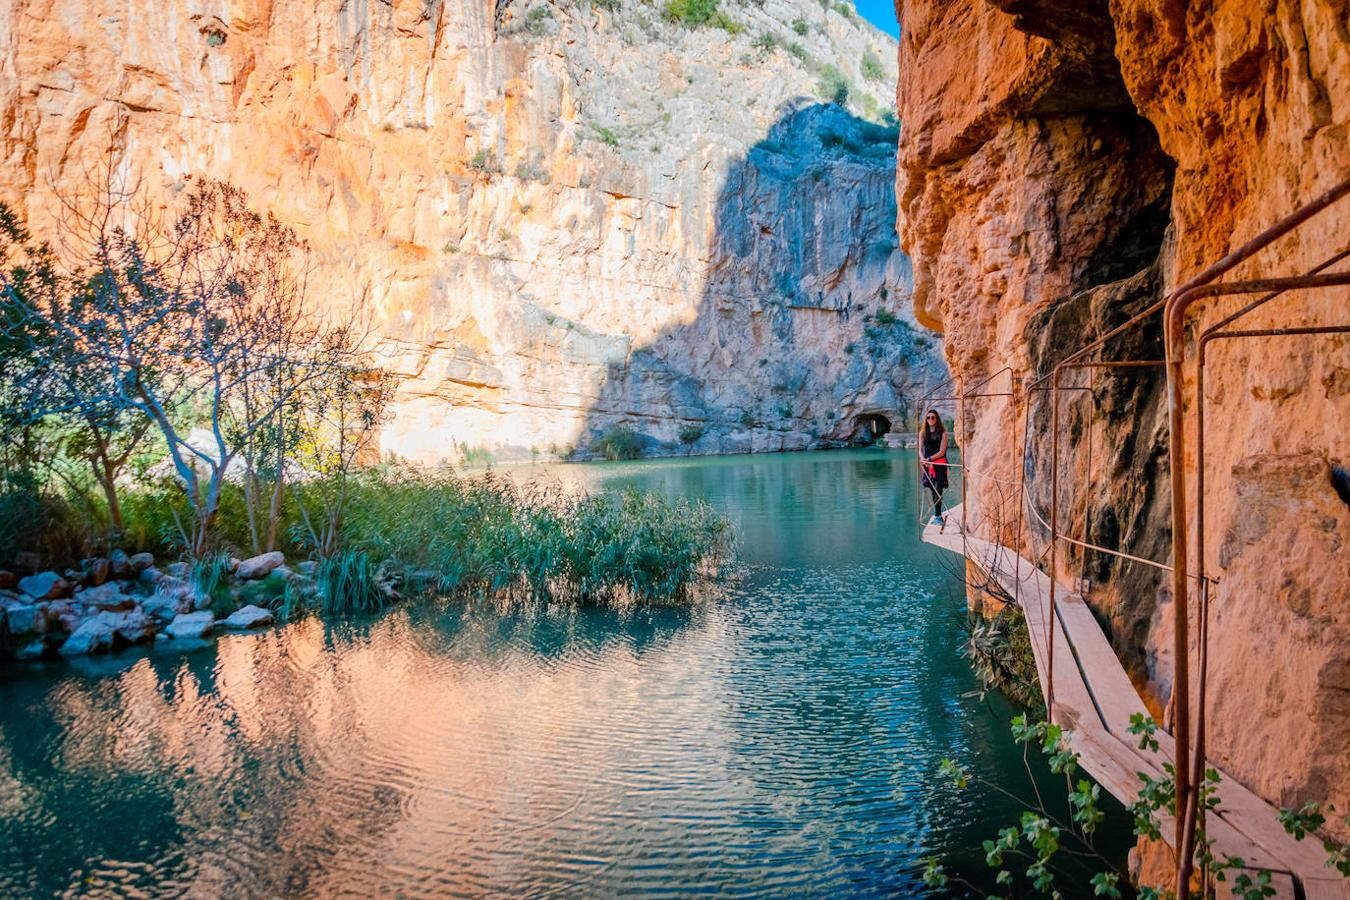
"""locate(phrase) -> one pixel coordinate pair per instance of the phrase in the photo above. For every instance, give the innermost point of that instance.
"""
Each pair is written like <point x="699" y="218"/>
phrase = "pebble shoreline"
<point x="121" y="600"/>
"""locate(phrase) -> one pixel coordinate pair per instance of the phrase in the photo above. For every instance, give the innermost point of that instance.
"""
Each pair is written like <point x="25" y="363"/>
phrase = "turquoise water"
<point x="783" y="739"/>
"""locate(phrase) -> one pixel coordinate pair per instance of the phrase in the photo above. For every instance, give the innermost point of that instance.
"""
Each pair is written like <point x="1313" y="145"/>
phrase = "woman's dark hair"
<point x="941" y="429"/>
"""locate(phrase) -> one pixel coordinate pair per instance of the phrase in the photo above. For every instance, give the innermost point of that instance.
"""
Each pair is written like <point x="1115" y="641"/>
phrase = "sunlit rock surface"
<point x="561" y="217"/>
<point x="1064" y="165"/>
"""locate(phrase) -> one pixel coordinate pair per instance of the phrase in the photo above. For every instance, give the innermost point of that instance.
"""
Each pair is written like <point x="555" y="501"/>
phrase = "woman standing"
<point x="933" y="462"/>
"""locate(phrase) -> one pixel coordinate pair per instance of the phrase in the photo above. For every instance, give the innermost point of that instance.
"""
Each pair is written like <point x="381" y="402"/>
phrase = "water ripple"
<point x="782" y="740"/>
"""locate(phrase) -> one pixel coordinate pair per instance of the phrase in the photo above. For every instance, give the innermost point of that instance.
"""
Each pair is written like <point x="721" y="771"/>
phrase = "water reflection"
<point x="782" y="739"/>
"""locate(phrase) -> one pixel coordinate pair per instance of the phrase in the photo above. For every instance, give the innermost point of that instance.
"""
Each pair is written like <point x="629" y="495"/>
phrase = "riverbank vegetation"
<point x="172" y="388"/>
<point x="999" y="650"/>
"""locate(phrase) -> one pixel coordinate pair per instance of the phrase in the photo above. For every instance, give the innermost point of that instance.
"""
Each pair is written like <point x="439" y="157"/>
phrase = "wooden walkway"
<point x="1094" y="700"/>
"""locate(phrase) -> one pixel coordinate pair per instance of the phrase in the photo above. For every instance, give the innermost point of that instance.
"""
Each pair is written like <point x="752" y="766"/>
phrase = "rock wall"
<point x="1062" y="166"/>
<point x="562" y="215"/>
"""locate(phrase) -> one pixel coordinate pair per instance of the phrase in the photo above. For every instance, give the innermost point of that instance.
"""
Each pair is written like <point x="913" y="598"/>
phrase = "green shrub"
<point x="537" y="20"/>
<point x="833" y="86"/>
<point x="475" y="455"/>
<point x="607" y="5"/>
<point x="726" y="23"/>
<point x="37" y="520"/>
<point x="698" y="13"/>
<point x="885" y="317"/>
<point x="872" y="69"/>
<point x="690" y="434"/>
<point x="268" y="593"/>
<point x="606" y="135"/>
<point x="488" y="536"/>
<point x="999" y="651"/>
<point x="642" y="546"/>
<point x="619" y="442"/>
<point x="152" y="514"/>
<point x="211" y="576"/>
<point x="456" y="536"/>
<point x="801" y="26"/>
<point x="484" y="161"/>
<point x="766" y="42"/>
<point x="532" y="171"/>
<point x="872" y="133"/>
<point x="691" y="13"/>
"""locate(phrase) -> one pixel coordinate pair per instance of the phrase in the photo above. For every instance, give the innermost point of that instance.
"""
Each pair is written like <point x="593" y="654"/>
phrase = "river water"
<point x="782" y="739"/>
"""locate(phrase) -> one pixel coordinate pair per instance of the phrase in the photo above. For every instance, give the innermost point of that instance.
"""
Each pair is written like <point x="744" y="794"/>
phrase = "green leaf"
<point x="1146" y="728"/>
<point x="1104" y="884"/>
<point x="954" y="773"/>
<point x="1304" y="821"/>
<point x="933" y="873"/>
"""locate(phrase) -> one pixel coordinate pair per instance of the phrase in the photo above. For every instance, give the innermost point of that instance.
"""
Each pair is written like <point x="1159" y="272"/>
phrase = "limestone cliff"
<point x="1064" y="165"/>
<point x="567" y="215"/>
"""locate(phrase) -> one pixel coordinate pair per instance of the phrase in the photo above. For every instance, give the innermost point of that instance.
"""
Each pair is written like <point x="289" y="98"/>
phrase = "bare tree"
<point x="46" y="401"/>
<point x="204" y="324"/>
<point x="340" y="419"/>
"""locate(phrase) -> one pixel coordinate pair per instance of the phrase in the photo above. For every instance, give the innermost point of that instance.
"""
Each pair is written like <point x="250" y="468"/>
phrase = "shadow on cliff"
<point x="799" y="338"/>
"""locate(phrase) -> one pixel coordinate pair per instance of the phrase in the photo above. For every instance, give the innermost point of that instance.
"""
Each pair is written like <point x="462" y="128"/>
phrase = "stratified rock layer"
<point x="1064" y="165"/>
<point x="562" y="216"/>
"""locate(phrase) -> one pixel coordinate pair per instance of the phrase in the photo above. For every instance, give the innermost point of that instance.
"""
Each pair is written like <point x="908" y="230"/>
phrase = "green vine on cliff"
<point x="999" y="651"/>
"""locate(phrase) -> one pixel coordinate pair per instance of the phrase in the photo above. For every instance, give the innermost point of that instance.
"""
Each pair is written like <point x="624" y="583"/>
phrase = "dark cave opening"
<point x="869" y="428"/>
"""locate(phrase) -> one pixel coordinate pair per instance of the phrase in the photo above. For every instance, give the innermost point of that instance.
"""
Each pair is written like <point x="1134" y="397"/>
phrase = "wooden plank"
<point x="1094" y="700"/>
<point x="1106" y="678"/>
<point x="1329" y="885"/>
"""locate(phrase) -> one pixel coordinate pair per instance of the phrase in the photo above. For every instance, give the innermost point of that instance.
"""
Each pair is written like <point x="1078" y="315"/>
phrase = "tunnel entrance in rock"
<point x="869" y="428"/>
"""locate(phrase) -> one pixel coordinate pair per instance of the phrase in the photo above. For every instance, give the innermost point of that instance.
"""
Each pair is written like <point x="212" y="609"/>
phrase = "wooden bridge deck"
<point x="1094" y="700"/>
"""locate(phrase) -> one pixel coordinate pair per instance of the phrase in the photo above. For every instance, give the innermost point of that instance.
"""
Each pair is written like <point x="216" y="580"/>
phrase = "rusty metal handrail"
<point x="1173" y="308"/>
<point x="1175" y="315"/>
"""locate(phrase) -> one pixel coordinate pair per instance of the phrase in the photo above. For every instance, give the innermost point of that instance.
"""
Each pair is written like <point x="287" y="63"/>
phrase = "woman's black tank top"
<point x="931" y="442"/>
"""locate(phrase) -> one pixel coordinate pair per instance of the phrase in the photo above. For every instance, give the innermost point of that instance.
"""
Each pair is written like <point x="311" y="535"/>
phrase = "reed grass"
<point x="211" y="576"/>
<point x="349" y="583"/>
<point x="490" y="536"/>
<point x="408" y="532"/>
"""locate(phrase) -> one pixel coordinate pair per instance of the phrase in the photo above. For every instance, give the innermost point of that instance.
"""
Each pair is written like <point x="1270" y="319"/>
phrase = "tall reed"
<point x="489" y="536"/>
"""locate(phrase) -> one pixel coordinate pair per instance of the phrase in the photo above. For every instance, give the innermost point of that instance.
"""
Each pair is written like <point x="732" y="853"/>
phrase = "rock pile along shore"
<point x="120" y="600"/>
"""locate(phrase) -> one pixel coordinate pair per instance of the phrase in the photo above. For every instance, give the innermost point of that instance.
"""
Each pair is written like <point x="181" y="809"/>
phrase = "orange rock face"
<point x="1063" y="166"/>
<point x="562" y="217"/>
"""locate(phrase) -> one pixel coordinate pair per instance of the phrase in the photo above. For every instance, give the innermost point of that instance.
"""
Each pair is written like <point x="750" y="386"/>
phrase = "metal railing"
<point x="1189" y="737"/>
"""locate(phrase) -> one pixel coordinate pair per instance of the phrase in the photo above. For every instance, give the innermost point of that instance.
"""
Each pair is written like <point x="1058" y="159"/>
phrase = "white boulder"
<point x="191" y="625"/>
<point x="249" y="617"/>
<point x="259" y="566"/>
